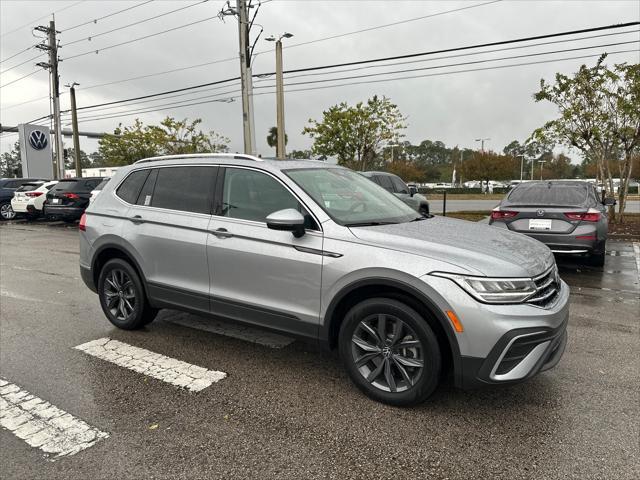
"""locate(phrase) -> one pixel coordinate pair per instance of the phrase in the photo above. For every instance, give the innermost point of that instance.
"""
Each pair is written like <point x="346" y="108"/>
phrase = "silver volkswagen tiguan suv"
<point x="319" y="252"/>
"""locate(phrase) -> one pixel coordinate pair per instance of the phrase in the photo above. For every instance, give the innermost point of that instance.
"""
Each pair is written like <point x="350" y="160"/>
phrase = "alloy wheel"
<point x="7" y="212"/>
<point x="119" y="294"/>
<point x="387" y="353"/>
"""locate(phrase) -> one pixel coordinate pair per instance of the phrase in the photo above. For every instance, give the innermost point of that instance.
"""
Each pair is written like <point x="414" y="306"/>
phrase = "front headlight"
<point x="494" y="290"/>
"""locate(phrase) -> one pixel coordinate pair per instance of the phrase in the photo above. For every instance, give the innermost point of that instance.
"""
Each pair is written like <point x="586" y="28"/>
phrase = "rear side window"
<point x="129" y="189"/>
<point x="147" y="189"/>
<point x="399" y="185"/>
<point x="548" y="194"/>
<point x="102" y="184"/>
<point x="385" y="182"/>
<point x="28" y="187"/>
<point x="184" y="188"/>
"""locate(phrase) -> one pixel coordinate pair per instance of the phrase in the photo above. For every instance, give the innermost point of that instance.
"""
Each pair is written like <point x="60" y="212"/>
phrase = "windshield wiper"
<point x="417" y="219"/>
<point x="368" y="224"/>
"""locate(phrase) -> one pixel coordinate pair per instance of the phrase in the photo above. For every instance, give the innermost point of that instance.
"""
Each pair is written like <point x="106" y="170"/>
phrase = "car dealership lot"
<point x="286" y="410"/>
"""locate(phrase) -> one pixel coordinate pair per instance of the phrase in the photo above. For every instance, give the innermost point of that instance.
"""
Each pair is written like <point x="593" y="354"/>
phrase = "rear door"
<point x="169" y="213"/>
<point x="258" y="275"/>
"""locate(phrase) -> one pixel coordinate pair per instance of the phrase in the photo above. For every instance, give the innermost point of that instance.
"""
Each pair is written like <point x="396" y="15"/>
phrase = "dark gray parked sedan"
<point x="394" y="184"/>
<point x="568" y="216"/>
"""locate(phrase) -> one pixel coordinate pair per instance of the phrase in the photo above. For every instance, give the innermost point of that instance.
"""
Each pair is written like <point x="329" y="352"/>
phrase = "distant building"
<point x="92" y="172"/>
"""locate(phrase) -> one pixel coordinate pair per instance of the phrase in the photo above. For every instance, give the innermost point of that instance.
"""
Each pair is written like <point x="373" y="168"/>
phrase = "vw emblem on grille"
<point x="540" y="213"/>
<point x="38" y="140"/>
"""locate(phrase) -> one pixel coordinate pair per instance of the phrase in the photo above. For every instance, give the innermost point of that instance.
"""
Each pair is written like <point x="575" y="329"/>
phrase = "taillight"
<point x="589" y="216"/>
<point x="83" y="223"/>
<point x="72" y="196"/>
<point x="33" y="194"/>
<point x="499" y="214"/>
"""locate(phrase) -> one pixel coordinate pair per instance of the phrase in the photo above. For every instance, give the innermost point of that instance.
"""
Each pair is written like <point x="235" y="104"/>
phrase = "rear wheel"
<point x="122" y="296"/>
<point x="390" y="352"/>
<point x="597" y="258"/>
<point x="6" y="212"/>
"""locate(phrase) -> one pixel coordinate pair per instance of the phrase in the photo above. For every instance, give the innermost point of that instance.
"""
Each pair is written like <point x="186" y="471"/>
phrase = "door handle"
<point x="136" y="219"/>
<point x="222" y="233"/>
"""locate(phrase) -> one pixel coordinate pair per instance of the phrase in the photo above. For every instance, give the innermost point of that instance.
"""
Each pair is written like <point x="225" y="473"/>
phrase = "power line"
<point x="360" y="62"/>
<point x="95" y="20"/>
<point x="108" y="107"/>
<point x="203" y="100"/>
<point x="21" y="78"/>
<point x="16" y="54"/>
<point x="40" y="18"/>
<point x="28" y="101"/>
<point x="98" y="50"/>
<point x="20" y="64"/>
<point x="92" y="37"/>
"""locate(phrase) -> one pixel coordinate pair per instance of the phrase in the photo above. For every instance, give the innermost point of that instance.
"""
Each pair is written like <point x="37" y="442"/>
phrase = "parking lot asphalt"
<point x="287" y="410"/>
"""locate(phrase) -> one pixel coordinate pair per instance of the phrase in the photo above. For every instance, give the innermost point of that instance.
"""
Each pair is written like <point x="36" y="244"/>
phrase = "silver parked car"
<point x="394" y="184"/>
<point x="568" y="216"/>
<point x="319" y="252"/>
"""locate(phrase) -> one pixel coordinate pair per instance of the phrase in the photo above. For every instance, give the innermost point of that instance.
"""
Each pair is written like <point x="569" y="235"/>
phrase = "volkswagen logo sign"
<point x="540" y="213"/>
<point x="38" y="140"/>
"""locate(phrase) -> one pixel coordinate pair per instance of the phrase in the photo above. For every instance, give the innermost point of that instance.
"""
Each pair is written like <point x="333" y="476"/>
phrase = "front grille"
<point x="547" y="288"/>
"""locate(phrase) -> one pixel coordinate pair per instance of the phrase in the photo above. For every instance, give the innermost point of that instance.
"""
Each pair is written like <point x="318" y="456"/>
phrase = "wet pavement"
<point x="286" y="410"/>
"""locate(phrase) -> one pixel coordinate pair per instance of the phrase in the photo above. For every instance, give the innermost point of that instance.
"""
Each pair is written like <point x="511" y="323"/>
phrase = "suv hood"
<point x="477" y="248"/>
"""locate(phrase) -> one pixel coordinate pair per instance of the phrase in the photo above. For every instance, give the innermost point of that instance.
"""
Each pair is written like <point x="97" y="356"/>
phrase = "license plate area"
<point x="539" y="224"/>
<point x="55" y="201"/>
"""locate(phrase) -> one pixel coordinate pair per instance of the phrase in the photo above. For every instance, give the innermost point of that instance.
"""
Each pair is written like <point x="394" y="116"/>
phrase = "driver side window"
<point x="251" y="195"/>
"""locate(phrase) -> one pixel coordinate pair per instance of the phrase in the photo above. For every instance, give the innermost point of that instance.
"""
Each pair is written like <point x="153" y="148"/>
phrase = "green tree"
<point x="70" y="161"/>
<point x="356" y="134"/>
<point x="599" y="115"/>
<point x="11" y="163"/>
<point x="272" y="138"/>
<point x="170" y="137"/>
<point x="489" y="165"/>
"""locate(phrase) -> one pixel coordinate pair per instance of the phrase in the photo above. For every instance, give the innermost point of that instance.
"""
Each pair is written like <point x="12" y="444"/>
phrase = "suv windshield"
<point x="351" y="199"/>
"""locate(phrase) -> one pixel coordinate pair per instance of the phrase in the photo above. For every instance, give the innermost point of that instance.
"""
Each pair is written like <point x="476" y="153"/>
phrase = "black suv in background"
<point x="70" y="197"/>
<point x="394" y="184"/>
<point x="8" y="186"/>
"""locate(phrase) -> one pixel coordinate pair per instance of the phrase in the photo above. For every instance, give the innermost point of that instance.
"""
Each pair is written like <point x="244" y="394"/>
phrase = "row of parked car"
<point x="33" y="197"/>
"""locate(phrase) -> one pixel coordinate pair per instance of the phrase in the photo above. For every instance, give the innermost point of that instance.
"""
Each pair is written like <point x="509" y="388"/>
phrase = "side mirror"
<point x="413" y="190"/>
<point x="289" y="220"/>
<point x="609" y="201"/>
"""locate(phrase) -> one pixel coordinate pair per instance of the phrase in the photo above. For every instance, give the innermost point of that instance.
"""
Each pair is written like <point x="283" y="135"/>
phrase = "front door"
<point x="258" y="275"/>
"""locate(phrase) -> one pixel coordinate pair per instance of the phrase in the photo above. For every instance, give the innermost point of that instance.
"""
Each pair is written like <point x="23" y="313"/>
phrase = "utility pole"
<point x="482" y="140"/>
<point x="281" y="132"/>
<point x="52" y="47"/>
<point x="541" y="162"/>
<point x="74" y="123"/>
<point x="521" y="166"/>
<point x="246" y="79"/>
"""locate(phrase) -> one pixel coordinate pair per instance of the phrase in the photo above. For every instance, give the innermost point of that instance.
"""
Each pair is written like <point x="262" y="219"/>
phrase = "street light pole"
<point x="521" y="166"/>
<point x="541" y="162"/>
<point x="74" y="123"/>
<point x="281" y="132"/>
<point x="482" y="140"/>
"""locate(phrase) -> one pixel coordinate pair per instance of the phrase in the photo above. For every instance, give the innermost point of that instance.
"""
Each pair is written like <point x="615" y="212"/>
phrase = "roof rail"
<point x="235" y="156"/>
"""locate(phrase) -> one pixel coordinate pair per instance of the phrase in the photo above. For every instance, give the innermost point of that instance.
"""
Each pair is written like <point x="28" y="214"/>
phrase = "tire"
<point x="122" y="296"/>
<point x="384" y="369"/>
<point x="6" y="212"/>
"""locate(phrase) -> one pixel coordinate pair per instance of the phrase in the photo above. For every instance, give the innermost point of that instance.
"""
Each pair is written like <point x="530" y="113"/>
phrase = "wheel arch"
<point x="108" y="251"/>
<point x="397" y="290"/>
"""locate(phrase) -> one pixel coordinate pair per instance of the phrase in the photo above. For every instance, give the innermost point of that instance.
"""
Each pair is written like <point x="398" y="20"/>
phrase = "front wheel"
<point x="390" y="352"/>
<point x="6" y="212"/>
<point x="122" y="296"/>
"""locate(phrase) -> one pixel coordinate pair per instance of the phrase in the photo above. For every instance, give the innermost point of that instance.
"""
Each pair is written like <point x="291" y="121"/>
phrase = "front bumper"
<point x="503" y="344"/>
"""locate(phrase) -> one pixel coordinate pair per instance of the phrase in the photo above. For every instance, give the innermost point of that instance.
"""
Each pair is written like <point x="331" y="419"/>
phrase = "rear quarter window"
<point x="130" y="187"/>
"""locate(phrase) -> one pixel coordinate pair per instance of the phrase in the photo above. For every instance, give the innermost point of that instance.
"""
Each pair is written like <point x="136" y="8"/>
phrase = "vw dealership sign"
<point x="35" y="150"/>
<point x="38" y="139"/>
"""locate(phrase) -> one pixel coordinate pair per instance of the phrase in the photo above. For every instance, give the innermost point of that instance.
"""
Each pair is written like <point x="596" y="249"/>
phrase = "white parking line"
<point x="176" y="372"/>
<point x="636" y="251"/>
<point x="42" y="425"/>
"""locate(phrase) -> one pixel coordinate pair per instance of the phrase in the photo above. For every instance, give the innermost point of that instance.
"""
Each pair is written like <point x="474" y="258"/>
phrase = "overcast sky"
<point x="455" y="108"/>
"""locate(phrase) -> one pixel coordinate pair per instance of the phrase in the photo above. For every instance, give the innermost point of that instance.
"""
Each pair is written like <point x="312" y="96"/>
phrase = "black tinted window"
<point x="28" y="187"/>
<point x="65" y="186"/>
<point x="147" y="189"/>
<point x="129" y="189"/>
<point x="252" y="195"/>
<point x="399" y="185"/>
<point x="385" y="182"/>
<point x="102" y="184"/>
<point x="89" y="185"/>
<point x="184" y="188"/>
<point x="548" y="194"/>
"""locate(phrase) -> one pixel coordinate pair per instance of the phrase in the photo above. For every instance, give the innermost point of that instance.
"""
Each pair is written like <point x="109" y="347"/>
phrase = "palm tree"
<point x="272" y="138"/>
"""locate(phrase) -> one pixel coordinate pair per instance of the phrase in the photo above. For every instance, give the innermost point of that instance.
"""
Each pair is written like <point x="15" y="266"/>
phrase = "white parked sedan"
<point x="29" y="198"/>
